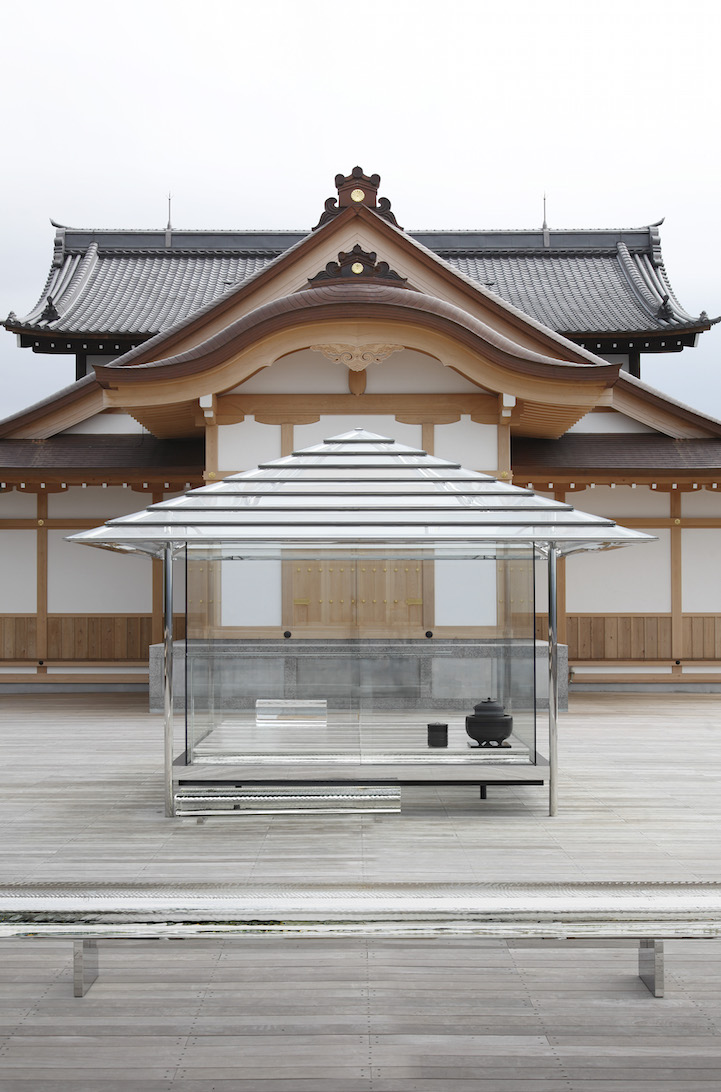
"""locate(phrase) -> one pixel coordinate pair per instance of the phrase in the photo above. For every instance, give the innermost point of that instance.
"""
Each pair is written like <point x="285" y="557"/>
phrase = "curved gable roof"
<point x="353" y="300"/>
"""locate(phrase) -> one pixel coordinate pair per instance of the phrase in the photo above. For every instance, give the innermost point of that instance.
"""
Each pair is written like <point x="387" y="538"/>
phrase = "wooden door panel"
<point x="367" y="594"/>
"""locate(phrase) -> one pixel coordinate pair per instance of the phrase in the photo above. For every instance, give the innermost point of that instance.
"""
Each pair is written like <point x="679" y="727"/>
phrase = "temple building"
<point x="200" y="354"/>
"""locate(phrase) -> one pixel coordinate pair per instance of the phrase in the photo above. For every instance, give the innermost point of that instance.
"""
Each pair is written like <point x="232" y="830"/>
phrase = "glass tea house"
<point x="359" y="615"/>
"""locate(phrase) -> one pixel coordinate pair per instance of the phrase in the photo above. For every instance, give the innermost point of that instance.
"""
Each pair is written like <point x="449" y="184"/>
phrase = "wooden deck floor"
<point x="640" y="799"/>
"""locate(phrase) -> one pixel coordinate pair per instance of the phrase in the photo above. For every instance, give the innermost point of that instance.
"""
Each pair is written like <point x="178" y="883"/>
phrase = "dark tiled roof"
<point x="136" y="284"/>
<point x="134" y="293"/>
<point x="572" y="294"/>
<point x="91" y="452"/>
<point x="614" y="451"/>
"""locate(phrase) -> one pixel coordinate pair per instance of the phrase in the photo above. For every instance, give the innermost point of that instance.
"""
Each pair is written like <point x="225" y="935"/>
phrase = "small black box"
<point x="437" y="735"/>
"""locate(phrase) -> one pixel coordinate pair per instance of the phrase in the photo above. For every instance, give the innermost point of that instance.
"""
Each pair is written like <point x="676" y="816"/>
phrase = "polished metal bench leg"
<point x="85" y="965"/>
<point x="650" y="965"/>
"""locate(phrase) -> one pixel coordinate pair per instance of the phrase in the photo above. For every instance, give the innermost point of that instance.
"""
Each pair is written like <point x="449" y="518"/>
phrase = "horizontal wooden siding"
<point x="637" y="636"/>
<point x="82" y="637"/>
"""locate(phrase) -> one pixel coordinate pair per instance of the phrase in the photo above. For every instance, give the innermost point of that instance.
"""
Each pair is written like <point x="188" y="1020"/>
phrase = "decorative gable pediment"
<point x="357" y="265"/>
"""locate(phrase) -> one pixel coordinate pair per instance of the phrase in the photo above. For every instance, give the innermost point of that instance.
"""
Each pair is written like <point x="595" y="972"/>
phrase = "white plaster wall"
<point x="701" y="569"/>
<point x="18" y="572"/>
<point x="416" y="372"/>
<point x="541" y="588"/>
<point x="474" y="446"/>
<point x="304" y="372"/>
<point x="635" y="579"/>
<point x="18" y="505"/>
<point x="621" y="501"/>
<point x="107" y="423"/>
<point x="335" y="424"/>
<point x="608" y="421"/>
<point x="702" y="502"/>
<point x="541" y="567"/>
<point x="251" y="593"/>
<point x="94" y="502"/>
<point x="244" y="445"/>
<point x="179" y="585"/>
<point x="465" y="593"/>
<point x="101" y="358"/>
<point x="82" y="580"/>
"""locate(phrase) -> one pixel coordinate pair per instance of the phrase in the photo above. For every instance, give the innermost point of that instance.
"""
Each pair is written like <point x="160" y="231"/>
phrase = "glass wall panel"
<point x="338" y="661"/>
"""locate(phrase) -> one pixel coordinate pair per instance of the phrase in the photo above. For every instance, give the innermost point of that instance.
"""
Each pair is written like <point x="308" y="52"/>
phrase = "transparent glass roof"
<point x="358" y="490"/>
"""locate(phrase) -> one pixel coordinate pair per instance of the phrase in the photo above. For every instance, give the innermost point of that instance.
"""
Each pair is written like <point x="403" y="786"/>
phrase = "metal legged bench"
<point x="86" y="962"/>
<point x="554" y="913"/>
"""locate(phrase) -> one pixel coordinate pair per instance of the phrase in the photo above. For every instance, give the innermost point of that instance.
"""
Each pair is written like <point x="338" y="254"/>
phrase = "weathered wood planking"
<point x="637" y="636"/>
<point x="82" y="637"/>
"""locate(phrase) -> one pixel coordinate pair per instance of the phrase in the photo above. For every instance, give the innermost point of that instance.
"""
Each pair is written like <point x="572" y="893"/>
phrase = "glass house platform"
<point x="359" y="615"/>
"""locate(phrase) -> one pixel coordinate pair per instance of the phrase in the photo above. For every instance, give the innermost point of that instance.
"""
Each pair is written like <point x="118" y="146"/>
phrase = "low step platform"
<point x="206" y="798"/>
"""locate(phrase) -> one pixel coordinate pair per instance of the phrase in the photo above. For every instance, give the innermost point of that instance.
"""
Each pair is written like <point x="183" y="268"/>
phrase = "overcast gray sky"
<point x="468" y="111"/>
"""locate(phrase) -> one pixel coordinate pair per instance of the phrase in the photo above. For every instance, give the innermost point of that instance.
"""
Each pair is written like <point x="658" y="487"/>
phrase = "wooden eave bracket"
<point x="179" y="421"/>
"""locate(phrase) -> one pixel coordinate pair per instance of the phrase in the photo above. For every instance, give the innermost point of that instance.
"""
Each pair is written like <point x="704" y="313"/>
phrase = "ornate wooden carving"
<point x="357" y="357"/>
<point x="358" y="264"/>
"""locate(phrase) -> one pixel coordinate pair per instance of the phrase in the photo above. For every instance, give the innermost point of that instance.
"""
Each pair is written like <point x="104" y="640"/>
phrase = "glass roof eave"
<point x="438" y="541"/>
<point x="432" y="507"/>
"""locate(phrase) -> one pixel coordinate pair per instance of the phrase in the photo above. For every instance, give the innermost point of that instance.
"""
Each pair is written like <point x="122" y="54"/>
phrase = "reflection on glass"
<point x="349" y="659"/>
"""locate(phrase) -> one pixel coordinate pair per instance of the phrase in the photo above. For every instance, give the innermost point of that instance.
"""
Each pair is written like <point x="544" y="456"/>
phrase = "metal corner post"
<point x="552" y="682"/>
<point x="168" y="675"/>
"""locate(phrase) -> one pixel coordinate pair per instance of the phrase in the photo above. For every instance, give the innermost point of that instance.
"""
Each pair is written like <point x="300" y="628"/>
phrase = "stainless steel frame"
<point x="168" y="676"/>
<point x="552" y="680"/>
<point x="366" y="492"/>
<point x="651" y="965"/>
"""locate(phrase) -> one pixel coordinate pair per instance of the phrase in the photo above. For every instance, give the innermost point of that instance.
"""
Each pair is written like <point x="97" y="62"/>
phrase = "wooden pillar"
<point x="286" y="439"/>
<point x="428" y="438"/>
<point x="287" y="443"/>
<point x="156" y="624"/>
<point x="211" y="452"/>
<point x="676" y="588"/>
<point x="504" y="470"/>
<point x="41" y="639"/>
<point x="562" y="621"/>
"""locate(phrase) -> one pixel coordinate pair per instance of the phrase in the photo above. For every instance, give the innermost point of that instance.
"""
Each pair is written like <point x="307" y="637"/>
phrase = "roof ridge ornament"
<point x="358" y="264"/>
<point x="357" y="189"/>
<point x="50" y="313"/>
<point x="665" y="311"/>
